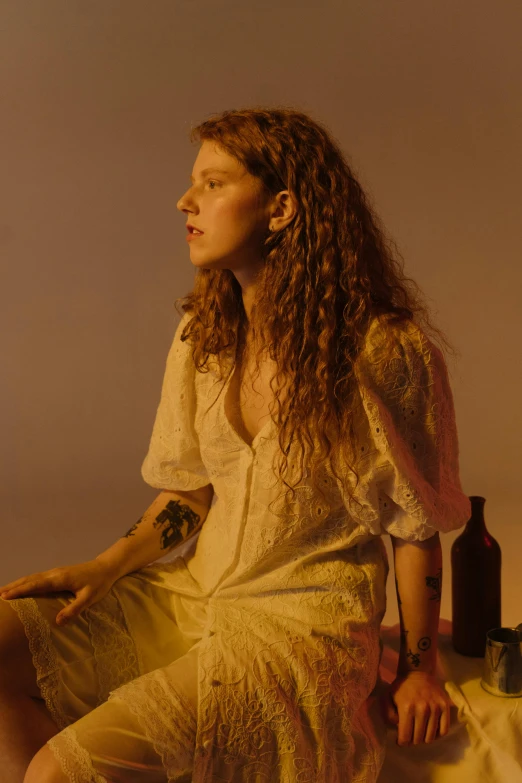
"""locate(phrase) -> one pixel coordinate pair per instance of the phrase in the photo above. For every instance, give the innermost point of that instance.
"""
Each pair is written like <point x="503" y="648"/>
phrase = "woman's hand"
<point x="418" y="703"/>
<point x="89" y="582"/>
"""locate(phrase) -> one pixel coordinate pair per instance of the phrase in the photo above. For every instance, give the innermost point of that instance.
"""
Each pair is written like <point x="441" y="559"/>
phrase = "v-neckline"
<point x="224" y="411"/>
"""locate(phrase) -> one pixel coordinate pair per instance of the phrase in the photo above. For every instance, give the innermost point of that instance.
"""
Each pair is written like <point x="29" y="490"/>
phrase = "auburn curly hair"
<point x="324" y="278"/>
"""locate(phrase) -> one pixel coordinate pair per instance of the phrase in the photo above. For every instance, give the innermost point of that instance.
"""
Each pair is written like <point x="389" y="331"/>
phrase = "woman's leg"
<point x="144" y="733"/>
<point x="25" y="723"/>
<point x="107" y="744"/>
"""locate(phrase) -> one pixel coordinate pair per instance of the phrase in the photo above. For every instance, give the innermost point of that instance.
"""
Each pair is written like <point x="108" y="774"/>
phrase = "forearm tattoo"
<point x="435" y="584"/>
<point x="414" y="658"/>
<point x="132" y="529"/>
<point x="423" y="645"/>
<point x="178" y="522"/>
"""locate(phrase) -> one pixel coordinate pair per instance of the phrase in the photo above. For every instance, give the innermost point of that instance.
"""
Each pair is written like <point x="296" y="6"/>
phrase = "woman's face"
<point x="227" y="204"/>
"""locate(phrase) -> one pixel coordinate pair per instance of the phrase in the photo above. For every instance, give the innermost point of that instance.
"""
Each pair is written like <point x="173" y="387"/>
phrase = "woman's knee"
<point x="17" y="671"/>
<point x="45" y="768"/>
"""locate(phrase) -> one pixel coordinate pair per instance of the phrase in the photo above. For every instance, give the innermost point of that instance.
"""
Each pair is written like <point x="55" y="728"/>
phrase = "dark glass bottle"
<point x="475" y="584"/>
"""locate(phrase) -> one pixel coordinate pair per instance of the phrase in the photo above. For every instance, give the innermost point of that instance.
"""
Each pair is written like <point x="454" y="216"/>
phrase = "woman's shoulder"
<point x="387" y="335"/>
<point x="396" y="347"/>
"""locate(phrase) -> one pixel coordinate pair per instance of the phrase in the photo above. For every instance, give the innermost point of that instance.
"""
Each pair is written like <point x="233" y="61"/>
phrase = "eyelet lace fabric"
<point x="44" y="657"/>
<point x="296" y="593"/>
<point x="167" y="718"/>
<point x="117" y="658"/>
<point x="74" y="759"/>
<point x="285" y="599"/>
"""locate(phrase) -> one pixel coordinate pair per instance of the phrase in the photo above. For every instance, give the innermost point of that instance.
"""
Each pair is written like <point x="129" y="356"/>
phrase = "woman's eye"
<point x="212" y="181"/>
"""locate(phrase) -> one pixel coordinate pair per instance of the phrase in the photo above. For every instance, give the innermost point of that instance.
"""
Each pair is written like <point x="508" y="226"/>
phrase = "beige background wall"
<point x="96" y="102"/>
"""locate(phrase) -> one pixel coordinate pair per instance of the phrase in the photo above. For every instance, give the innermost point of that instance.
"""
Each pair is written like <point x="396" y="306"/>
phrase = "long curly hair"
<point x="324" y="278"/>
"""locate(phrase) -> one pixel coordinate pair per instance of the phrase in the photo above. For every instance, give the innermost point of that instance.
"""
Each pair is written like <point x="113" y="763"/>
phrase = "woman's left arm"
<point x="422" y="704"/>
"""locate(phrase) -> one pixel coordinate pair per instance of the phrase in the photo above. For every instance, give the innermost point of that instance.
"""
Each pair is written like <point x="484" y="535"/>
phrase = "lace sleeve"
<point x="409" y="404"/>
<point x="174" y="460"/>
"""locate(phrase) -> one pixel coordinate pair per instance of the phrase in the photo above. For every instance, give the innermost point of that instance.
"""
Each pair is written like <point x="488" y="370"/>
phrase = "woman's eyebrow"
<point x="212" y="171"/>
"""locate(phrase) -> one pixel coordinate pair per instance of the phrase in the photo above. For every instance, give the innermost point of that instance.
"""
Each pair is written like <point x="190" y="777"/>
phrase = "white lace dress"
<point x="251" y="657"/>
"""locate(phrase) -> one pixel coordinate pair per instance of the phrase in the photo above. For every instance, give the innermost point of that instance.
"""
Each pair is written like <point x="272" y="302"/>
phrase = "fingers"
<point x="423" y="725"/>
<point x="13" y="585"/>
<point x="423" y="707"/>
<point x="36" y="583"/>
<point x="419" y="729"/>
<point x="445" y="719"/>
<point x="73" y="609"/>
<point x="57" y="580"/>
<point x="433" y="723"/>
<point x="64" y="616"/>
<point x="406" y="721"/>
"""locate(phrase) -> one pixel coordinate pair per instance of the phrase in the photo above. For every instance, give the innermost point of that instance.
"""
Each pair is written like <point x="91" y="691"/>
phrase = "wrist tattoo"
<point x="176" y="516"/>
<point x="435" y="584"/>
<point x="424" y="643"/>
<point x="132" y="529"/>
<point x="414" y="658"/>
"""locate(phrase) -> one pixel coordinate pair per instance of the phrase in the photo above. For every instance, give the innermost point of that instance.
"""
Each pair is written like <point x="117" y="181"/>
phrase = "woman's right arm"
<point x="171" y="519"/>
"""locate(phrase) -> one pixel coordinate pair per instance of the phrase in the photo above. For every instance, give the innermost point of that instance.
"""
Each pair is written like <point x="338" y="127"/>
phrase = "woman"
<point x="252" y="657"/>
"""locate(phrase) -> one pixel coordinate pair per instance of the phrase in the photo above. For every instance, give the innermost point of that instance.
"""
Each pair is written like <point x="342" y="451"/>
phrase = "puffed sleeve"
<point x="174" y="460"/>
<point x="408" y="402"/>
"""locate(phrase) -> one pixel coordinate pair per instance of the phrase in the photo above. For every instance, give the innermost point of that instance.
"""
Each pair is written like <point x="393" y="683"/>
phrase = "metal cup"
<point x="503" y="662"/>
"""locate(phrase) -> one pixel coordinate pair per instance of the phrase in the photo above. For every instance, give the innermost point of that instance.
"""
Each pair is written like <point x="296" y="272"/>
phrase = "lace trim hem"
<point x="115" y="654"/>
<point x="44" y="656"/>
<point x="167" y="719"/>
<point x="74" y="760"/>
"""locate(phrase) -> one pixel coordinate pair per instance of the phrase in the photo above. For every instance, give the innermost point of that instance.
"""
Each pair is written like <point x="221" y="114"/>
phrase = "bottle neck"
<point x="476" y="524"/>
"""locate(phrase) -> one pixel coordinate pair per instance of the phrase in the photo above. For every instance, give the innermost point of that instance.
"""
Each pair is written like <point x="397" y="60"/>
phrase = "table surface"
<point x="484" y="743"/>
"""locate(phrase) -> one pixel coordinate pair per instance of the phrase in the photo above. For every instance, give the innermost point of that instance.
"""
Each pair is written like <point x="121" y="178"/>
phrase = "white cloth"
<point x="284" y="604"/>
